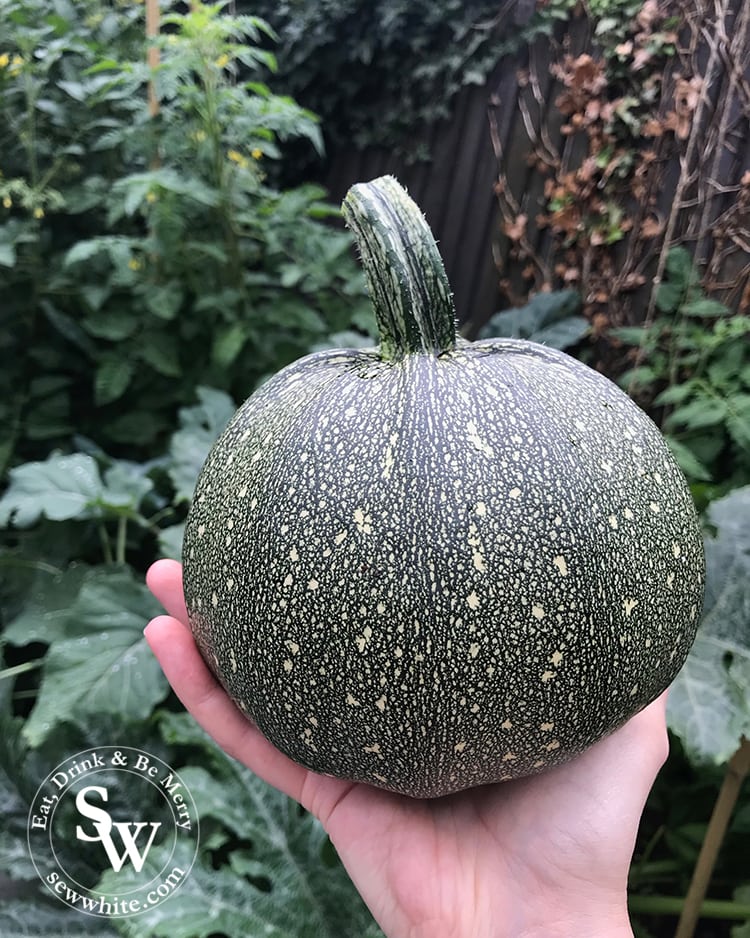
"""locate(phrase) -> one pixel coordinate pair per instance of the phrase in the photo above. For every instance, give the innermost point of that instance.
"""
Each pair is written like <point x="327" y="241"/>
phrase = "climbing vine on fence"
<point x="640" y="144"/>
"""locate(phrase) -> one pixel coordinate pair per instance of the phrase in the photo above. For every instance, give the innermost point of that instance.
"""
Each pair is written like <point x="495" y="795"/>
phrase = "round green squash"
<point x="438" y="564"/>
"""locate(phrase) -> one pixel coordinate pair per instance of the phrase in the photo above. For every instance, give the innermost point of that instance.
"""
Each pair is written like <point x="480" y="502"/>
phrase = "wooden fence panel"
<point x="455" y="191"/>
<point x="700" y="190"/>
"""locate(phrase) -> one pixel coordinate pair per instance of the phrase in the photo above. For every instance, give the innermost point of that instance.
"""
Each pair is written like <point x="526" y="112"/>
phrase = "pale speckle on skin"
<point x="473" y="600"/>
<point x="473" y="650"/>
<point x="312" y="585"/>
<point x="363" y="521"/>
<point x="629" y="605"/>
<point x="475" y="439"/>
<point x="561" y="564"/>
<point x="389" y="460"/>
<point x="538" y="612"/>
<point x="459" y="747"/>
<point x="515" y="492"/>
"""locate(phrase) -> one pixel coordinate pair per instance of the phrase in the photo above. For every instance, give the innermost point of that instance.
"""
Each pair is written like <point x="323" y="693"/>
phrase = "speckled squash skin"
<point x="439" y="570"/>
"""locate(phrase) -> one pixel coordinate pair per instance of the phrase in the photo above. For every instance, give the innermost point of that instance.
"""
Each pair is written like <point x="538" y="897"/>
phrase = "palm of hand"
<point x="540" y="856"/>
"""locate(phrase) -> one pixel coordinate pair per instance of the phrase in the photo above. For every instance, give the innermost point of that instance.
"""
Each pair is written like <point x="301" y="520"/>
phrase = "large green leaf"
<point x="548" y="318"/>
<point x="102" y="664"/>
<point x="709" y="704"/>
<point x="15" y="860"/>
<point x="200" y="426"/>
<point x="71" y="487"/>
<point x="45" y="615"/>
<point x="32" y="918"/>
<point x="60" y="488"/>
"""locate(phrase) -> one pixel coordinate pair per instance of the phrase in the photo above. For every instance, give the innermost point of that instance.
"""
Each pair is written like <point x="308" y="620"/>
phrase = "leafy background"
<point x="155" y="267"/>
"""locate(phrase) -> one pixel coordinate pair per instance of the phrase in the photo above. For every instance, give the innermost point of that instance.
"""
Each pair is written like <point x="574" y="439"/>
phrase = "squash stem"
<point x="405" y="276"/>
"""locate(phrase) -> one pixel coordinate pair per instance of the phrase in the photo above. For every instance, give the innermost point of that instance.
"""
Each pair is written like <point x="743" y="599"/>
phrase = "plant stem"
<point x="673" y="905"/>
<point x="122" y="539"/>
<point x="20" y="668"/>
<point x="405" y="276"/>
<point x="106" y="546"/>
<point x="737" y="770"/>
<point x="152" y="34"/>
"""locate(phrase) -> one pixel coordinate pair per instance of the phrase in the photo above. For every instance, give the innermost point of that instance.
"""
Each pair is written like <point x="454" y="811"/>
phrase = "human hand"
<point x="542" y="856"/>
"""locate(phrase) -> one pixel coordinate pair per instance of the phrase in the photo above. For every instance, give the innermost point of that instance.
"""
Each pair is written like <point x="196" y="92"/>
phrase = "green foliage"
<point x="548" y="318"/>
<point x="264" y="866"/>
<point x="141" y="255"/>
<point x="88" y="670"/>
<point x="379" y="72"/>
<point x="694" y="363"/>
<point x="709" y="703"/>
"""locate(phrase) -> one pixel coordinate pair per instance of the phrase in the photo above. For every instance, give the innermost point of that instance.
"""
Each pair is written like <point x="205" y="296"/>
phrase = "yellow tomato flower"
<point x="134" y="263"/>
<point x="222" y="61"/>
<point x="151" y="197"/>
<point x="236" y="157"/>
<point x="7" y="202"/>
<point x="15" y="65"/>
<point x="4" y="60"/>
<point x="38" y="212"/>
<point x="257" y="154"/>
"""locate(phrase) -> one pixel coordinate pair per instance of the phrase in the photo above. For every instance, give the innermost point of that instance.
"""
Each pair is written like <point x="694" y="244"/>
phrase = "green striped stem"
<point x="405" y="276"/>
